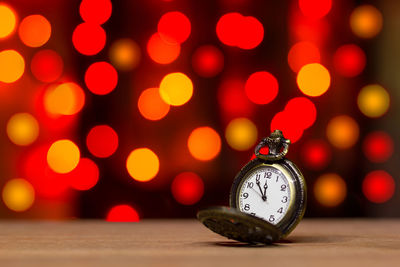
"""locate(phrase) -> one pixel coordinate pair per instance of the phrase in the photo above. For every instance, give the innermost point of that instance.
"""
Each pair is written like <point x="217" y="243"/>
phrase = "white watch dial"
<point x="265" y="193"/>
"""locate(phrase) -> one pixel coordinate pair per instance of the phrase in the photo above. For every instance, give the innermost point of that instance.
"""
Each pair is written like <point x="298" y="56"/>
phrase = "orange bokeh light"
<point x="176" y="89"/>
<point x="174" y="27"/>
<point x="34" y="30"/>
<point x="63" y="156"/>
<point x="125" y="54"/>
<point x="12" y="66"/>
<point x="366" y="21"/>
<point x="187" y="188"/>
<point x="47" y="65"/>
<point x="122" y="213"/>
<point x="102" y="141"/>
<point x="95" y="11"/>
<point x="342" y="131"/>
<point x="142" y="164"/>
<point x="101" y="78"/>
<point x="313" y="79"/>
<point x="204" y="143"/>
<point x="64" y="99"/>
<point x="303" y="53"/>
<point x="89" y="38"/>
<point x="330" y="190"/>
<point x="161" y="51"/>
<point x="151" y="106"/>
<point x="7" y="21"/>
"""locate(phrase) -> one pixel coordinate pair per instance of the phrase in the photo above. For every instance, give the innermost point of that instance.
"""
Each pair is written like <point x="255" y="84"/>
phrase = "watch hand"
<point x="262" y="195"/>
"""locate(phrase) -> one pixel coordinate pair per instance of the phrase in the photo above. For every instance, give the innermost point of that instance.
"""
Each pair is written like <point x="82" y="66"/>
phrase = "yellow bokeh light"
<point x="241" y="134"/>
<point x="373" y="100"/>
<point x="142" y="164"/>
<point x="176" y="89"/>
<point x="151" y="106"/>
<point x="22" y="129"/>
<point x="64" y="99"/>
<point x="34" y="30"/>
<point x="330" y="189"/>
<point x="124" y="54"/>
<point x="342" y="131"/>
<point x="12" y="66"/>
<point x="18" y="195"/>
<point x="204" y="143"/>
<point x="313" y="79"/>
<point x="7" y="21"/>
<point x="366" y="21"/>
<point x="63" y="156"/>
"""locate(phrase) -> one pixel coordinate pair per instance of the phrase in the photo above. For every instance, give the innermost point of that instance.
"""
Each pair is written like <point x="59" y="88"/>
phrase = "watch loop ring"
<point x="277" y="145"/>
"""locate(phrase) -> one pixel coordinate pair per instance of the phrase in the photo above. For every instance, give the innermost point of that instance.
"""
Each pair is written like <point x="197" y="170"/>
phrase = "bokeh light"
<point x="241" y="134"/>
<point x="18" y="195"/>
<point x="101" y="78"/>
<point x="102" y="141"/>
<point x="89" y="38"/>
<point x="85" y="176"/>
<point x="161" y="51"/>
<point x="330" y="190"/>
<point x="315" y="9"/>
<point x="208" y="61"/>
<point x="151" y="106"/>
<point x="303" y="53"/>
<point x="34" y="30"/>
<point x="47" y="65"/>
<point x="22" y="129"/>
<point x="204" y="143"/>
<point x="142" y="164"/>
<point x="95" y="11"/>
<point x="176" y="89"/>
<point x="378" y="146"/>
<point x="349" y="60"/>
<point x="7" y="21"/>
<point x="174" y="27"/>
<point x="12" y="66"/>
<point x="366" y="21"/>
<point x="316" y="154"/>
<point x="187" y="188"/>
<point x="313" y="79"/>
<point x="302" y="112"/>
<point x="63" y="156"/>
<point x="227" y="28"/>
<point x="125" y="54"/>
<point x="233" y="100"/>
<point x="64" y="99"/>
<point x="290" y="127"/>
<point x="251" y="33"/>
<point x="373" y="101"/>
<point x="122" y="213"/>
<point x="378" y="186"/>
<point x="261" y="87"/>
<point x="342" y="131"/>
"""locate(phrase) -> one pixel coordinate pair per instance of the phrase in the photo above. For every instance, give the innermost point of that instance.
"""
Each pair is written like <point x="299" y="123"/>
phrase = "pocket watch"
<point x="267" y="197"/>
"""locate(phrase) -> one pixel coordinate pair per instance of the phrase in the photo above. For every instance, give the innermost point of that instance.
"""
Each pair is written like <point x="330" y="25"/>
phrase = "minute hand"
<point x="259" y="186"/>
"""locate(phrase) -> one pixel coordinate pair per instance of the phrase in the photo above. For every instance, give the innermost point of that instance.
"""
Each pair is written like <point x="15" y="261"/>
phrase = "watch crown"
<point x="278" y="146"/>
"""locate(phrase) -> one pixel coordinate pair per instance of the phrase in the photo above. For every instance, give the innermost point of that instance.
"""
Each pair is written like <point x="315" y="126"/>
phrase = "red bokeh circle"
<point x="95" y="11"/>
<point x="89" y="38"/>
<point x="174" y="27"/>
<point x="122" y="213"/>
<point x="187" y="188"/>
<point x="315" y="9"/>
<point x="207" y="61"/>
<point x="101" y="78"/>
<point x="84" y="176"/>
<point x="102" y="141"/>
<point x="378" y="186"/>
<point x="261" y="87"/>
<point x="47" y="65"/>
<point x="349" y="60"/>
<point x="302" y="112"/>
<point x="378" y="146"/>
<point x="316" y="154"/>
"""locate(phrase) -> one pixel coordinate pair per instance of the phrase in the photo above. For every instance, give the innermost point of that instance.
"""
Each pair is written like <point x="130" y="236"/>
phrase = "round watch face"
<point x="265" y="193"/>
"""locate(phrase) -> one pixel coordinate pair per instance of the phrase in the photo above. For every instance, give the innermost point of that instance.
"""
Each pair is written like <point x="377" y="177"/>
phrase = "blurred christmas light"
<point x="18" y="195"/>
<point x="176" y="89"/>
<point x="208" y="61"/>
<point x="47" y="65"/>
<point x="125" y="54"/>
<point x="204" y="143"/>
<point x="34" y="30"/>
<point x="174" y="27"/>
<point x="151" y="106"/>
<point x="303" y="53"/>
<point x="187" y="188"/>
<point x="366" y="21"/>
<point x="89" y="38"/>
<point x="245" y="32"/>
<point x="349" y="60"/>
<point x="63" y="156"/>
<point x="378" y="146"/>
<point x="330" y="189"/>
<point x="142" y="164"/>
<point x="378" y="186"/>
<point x="22" y="129"/>
<point x="95" y="11"/>
<point x="241" y="134"/>
<point x="261" y="87"/>
<point x="122" y="213"/>
<point x="101" y="78"/>
<point x="342" y="131"/>
<point x="233" y="100"/>
<point x="12" y="66"/>
<point x="302" y="112"/>
<point x="285" y="122"/>
<point x="316" y="154"/>
<point x="7" y="21"/>
<point x="102" y="141"/>
<point x="64" y="99"/>
<point x="161" y="51"/>
<point x="315" y="9"/>
<point x="373" y="101"/>
<point x="313" y="79"/>
<point x="84" y="176"/>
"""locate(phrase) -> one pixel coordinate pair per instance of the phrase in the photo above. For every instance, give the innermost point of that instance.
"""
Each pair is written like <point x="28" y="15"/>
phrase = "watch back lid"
<point x="240" y="226"/>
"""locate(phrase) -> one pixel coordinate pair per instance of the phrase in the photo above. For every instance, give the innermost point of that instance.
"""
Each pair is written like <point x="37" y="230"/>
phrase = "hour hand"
<point x="264" y="194"/>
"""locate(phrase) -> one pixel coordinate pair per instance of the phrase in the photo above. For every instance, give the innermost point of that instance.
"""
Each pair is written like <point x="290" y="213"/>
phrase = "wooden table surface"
<point x="319" y="243"/>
